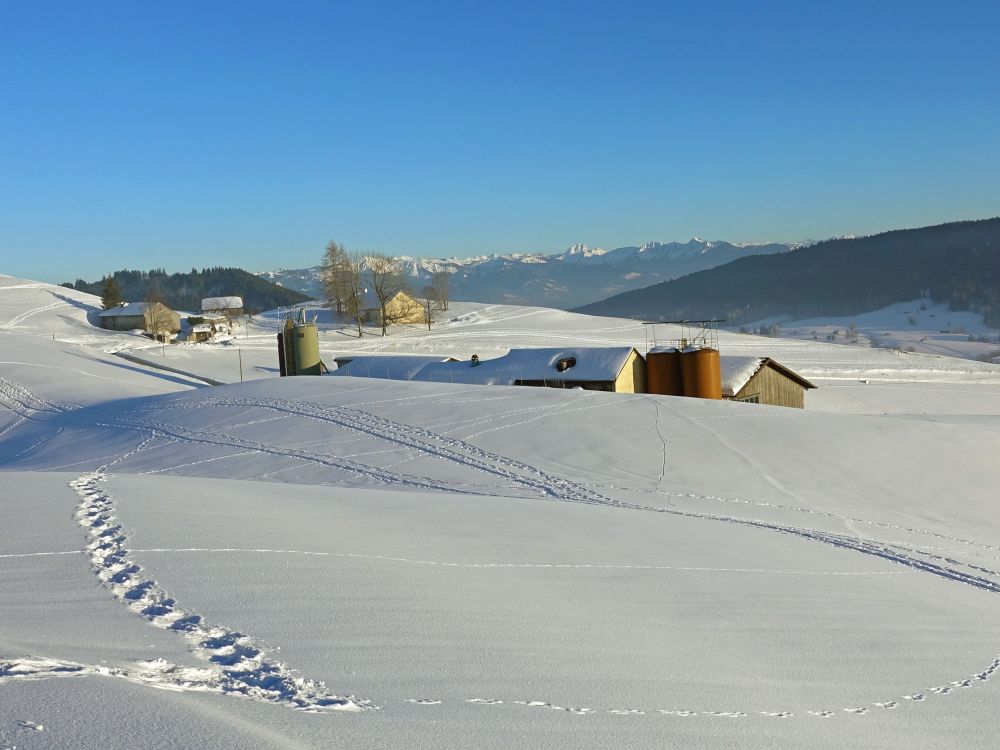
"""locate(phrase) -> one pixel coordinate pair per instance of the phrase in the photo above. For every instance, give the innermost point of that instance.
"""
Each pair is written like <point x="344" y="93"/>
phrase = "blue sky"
<point x="183" y="135"/>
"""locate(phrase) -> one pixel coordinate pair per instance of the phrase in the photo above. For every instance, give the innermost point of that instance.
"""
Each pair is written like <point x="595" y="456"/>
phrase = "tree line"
<point x="185" y="291"/>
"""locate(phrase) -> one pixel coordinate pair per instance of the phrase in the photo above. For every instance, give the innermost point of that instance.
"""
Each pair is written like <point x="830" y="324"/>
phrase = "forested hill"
<point x="957" y="263"/>
<point x="185" y="291"/>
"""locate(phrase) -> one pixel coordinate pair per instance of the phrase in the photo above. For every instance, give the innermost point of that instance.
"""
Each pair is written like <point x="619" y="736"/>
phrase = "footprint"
<point x="626" y="711"/>
<point x="823" y="714"/>
<point x="915" y="697"/>
<point x="424" y="701"/>
<point x="887" y="704"/>
<point x="725" y="714"/>
<point x="858" y="710"/>
<point x="777" y="714"/>
<point x="33" y="726"/>
<point x="484" y="701"/>
<point x="670" y="712"/>
<point x="580" y="711"/>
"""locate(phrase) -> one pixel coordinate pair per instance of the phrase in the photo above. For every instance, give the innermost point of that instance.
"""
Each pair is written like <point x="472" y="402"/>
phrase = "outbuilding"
<point x="761" y="380"/>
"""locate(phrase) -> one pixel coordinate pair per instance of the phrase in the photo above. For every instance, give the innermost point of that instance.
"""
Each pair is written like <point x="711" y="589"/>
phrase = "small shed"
<point x="761" y="380"/>
<point x="129" y="316"/>
<point x="229" y="306"/>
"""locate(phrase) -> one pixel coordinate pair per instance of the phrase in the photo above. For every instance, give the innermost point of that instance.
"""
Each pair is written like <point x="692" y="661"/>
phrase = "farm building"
<point x="761" y="380"/>
<point x="228" y="306"/>
<point x="619" y="369"/>
<point x="153" y="318"/>
<point x="399" y="308"/>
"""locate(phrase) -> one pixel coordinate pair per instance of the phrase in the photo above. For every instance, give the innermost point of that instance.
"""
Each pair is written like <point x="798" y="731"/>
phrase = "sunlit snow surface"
<point x="320" y="562"/>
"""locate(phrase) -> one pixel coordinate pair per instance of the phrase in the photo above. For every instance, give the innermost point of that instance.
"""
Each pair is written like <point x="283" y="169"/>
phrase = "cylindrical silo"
<point x="702" y="373"/>
<point x="663" y="372"/>
<point x="306" y="349"/>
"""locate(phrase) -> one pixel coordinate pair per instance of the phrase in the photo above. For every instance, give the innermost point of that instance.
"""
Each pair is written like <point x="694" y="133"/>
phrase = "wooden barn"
<point x="761" y="380"/>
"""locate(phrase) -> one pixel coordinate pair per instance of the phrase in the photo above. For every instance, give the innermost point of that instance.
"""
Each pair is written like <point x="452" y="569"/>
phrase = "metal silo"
<point x="663" y="372"/>
<point x="306" y="347"/>
<point x="702" y="373"/>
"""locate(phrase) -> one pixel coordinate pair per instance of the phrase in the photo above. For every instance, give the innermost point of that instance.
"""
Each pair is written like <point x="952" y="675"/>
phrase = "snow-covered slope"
<point x="572" y="278"/>
<point x="317" y="562"/>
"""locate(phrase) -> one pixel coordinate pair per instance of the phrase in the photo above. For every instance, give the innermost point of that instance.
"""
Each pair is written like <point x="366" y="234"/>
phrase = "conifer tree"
<point x="111" y="295"/>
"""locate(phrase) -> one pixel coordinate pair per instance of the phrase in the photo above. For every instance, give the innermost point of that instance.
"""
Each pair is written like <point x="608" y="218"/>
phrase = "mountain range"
<point x="956" y="263"/>
<point x="578" y="276"/>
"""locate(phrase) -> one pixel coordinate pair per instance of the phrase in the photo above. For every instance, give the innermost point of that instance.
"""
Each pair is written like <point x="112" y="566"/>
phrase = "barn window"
<point x="564" y="364"/>
<point x="753" y="398"/>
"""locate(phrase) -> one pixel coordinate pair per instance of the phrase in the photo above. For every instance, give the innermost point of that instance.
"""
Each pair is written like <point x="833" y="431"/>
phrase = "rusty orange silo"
<point x="702" y="373"/>
<point x="663" y="372"/>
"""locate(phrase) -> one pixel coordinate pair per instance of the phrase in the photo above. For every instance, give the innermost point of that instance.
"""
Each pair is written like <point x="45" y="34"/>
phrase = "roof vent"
<point x="565" y="363"/>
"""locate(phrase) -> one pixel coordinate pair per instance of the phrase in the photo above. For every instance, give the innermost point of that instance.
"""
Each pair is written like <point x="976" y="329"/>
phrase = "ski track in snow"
<point x="239" y="666"/>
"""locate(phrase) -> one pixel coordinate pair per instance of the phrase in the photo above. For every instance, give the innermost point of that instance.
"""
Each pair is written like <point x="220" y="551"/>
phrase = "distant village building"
<point x="761" y="380"/>
<point x="618" y="369"/>
<point x="231" y="307"/>
<point x="154" y="318"/>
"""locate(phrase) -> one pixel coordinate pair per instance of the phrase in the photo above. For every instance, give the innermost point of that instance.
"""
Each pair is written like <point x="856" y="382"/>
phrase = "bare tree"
<point x="387" y="281"/>
<point x="336" y="274"/>
<point x="159" y="318"/>
<point x="430" y="304"/>
<point x="352" y="289"/>
<point x="439" y="287"/>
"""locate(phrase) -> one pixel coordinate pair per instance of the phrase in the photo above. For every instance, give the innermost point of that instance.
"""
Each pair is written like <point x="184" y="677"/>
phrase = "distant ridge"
<point x="956" y="263"/>
<point x="185" y="291"/>
<point x="574" y="277"/>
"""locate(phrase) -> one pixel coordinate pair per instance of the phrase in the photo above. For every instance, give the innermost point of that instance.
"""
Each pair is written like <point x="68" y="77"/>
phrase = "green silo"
<point x="306" y="346"/>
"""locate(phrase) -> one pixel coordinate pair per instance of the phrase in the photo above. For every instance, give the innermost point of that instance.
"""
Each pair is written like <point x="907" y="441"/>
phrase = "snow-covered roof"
<point x="592" y="364"/>
<point x="737" y="371"/>
<point x="202" y="328"/>
<point x="125" y="310"/>
<point x="221" y="303"/>
<point x="392" y="367"/>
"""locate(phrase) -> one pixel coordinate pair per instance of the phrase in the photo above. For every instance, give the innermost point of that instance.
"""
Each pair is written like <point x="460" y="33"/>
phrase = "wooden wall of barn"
<point x="774" y="389"/>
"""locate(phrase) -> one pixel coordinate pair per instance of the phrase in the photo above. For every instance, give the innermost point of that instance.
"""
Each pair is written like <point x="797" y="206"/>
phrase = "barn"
<point x="761" y="380"/>
<point x="231" y="307"/>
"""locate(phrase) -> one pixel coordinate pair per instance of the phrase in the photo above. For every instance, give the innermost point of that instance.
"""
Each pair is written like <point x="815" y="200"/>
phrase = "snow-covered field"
<point x="340" y="562"/>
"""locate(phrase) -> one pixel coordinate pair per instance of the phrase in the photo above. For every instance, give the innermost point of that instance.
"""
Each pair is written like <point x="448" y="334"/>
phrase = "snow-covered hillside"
<point x="565" y="280"/>
<point x="341" y="562"/>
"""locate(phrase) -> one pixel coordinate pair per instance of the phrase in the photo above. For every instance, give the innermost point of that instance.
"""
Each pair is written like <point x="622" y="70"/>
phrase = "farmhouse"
<point x="399" y="308"/>
<point x="761" y="380"/>
<point x="619" y="369"/>
<point x="153" y="318"/>
<point x="231" y="307"/>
